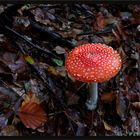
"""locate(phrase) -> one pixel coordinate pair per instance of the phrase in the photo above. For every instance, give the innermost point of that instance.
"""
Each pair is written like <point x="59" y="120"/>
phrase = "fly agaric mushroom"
<point x="93" y="63"/>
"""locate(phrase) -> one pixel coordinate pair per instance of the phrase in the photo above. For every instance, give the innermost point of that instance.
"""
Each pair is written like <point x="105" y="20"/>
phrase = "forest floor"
<point x="37" y="95"/>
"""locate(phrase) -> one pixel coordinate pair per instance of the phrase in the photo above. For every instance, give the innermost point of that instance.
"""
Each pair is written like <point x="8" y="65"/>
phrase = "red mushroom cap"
<point x="93" y="63"/>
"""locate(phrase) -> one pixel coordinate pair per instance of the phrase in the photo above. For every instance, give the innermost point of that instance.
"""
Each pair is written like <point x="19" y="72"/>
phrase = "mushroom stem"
<point x="91" y="102"/>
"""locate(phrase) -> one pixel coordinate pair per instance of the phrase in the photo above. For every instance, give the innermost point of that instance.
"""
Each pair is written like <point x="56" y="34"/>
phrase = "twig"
<point x="81" y="86"/>
<point x="38" y="71"/>
<point x="95" y="33"/>
<point x="52" y="35"/>
<point x="30" y="43"/>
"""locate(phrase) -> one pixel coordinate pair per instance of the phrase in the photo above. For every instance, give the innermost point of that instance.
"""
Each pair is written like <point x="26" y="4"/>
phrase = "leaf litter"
<point x="34" y="84"/>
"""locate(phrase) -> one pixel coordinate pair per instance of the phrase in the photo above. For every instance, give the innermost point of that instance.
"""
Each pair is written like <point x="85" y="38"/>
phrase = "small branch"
<point x="30" y="43"/>
<point x="52" y="35"/>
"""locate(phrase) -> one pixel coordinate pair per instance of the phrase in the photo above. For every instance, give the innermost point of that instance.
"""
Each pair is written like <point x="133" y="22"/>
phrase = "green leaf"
<point x="26" y="6"/>
<point x="58" y="62"/>
<point x="29" y="59"/>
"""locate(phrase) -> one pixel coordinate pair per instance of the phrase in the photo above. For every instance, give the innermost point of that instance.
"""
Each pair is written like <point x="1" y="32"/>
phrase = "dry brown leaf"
<point x="9" y="130"/>
<point x="30" y="97"/>
<point x="108" y="97"/>
<point x="31" y="113"/>
<point x="101" y="22"/>
<point x="136" y="105"/>
<point x="107" y="126"/>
